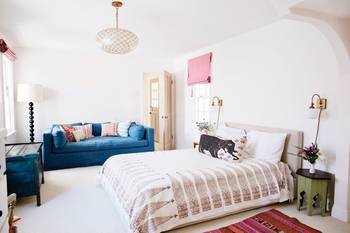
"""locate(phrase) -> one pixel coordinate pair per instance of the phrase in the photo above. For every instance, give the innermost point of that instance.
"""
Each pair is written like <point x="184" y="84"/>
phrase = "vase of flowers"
<point x="311" y="154"/>
<point x="204" y="127"/>
<point x="312" y="168"/>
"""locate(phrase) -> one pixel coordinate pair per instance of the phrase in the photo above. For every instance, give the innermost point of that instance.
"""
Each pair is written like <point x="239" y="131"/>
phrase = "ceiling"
<point x="164" y="27"/>
<point x="338" y="8"/>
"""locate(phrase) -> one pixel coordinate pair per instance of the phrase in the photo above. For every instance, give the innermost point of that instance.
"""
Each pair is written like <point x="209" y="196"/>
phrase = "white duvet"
<point x="159" y="191"/>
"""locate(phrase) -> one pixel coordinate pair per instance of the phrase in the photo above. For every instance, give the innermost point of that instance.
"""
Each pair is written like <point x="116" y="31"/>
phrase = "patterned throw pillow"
<point x="87" y="129"/>
<point x="109" y="129"/>
<point x="69" y="132"/>
<point x="79" y="135"/>
<point x="240" y="146"/>
<point x="225" y="149"/>
<point x="123" y="128"/>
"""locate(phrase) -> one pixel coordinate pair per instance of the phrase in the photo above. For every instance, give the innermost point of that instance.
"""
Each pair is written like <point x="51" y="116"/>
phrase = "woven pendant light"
<point x="116" y="40"/>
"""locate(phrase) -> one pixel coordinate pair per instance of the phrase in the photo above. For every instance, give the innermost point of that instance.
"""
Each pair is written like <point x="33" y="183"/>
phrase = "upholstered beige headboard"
<point x="294" y="140"/>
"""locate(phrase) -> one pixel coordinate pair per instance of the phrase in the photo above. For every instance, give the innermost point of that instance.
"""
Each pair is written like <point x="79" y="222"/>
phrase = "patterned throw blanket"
<point x="156" y="200"/>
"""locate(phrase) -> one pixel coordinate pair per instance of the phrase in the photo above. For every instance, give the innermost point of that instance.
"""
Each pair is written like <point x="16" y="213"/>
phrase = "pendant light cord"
<point x="218" y="119"/>
<point x="318" y="126"/>
<point x="116" y="17"/>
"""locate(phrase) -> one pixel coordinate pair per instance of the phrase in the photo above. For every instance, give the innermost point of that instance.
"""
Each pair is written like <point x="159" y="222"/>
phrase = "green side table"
<point x="312" y="187"/>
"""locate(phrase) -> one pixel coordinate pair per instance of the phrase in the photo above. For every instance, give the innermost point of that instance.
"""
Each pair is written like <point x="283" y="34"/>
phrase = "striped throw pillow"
<point x="79" y="135"/>
<point x="109" y="129"/>
<point x="123" y="128"/>
<point x="87" y="129"/>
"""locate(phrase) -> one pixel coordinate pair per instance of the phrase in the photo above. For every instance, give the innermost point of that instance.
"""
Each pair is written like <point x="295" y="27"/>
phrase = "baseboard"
<point x="341" y="214"/>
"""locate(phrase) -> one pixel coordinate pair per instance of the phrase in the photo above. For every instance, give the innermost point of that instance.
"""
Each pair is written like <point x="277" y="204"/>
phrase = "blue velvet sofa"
<point x="60" y="154"/>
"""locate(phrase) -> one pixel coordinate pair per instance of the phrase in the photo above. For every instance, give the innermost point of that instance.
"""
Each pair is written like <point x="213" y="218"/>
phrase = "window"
<point x="154" y="93"/>
<point x="201" y="93"/>
<point x="8" y="96"/>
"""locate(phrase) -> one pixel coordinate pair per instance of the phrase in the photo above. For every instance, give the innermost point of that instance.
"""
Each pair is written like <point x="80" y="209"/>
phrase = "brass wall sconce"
<point x="318" y="103"/>
<point x="216" y="101"/>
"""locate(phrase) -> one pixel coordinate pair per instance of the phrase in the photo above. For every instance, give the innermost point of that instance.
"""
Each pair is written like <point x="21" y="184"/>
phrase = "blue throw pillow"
<point x="59" y="137"/>
<point x="137" y="131"/>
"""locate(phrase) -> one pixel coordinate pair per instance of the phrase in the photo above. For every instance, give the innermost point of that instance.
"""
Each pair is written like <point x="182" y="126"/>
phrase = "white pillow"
<point x="227" y="132"/>
<point x="266" y="146"/>
<point x="123" y="128"/>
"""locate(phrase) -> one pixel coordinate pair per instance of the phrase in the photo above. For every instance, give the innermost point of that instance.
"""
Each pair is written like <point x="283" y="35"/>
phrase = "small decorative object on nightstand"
<point x="312" y="187"/>
<point x="311" y="154"/>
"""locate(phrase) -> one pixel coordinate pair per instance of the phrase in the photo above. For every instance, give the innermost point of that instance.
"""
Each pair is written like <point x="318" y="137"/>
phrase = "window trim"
<point x="201" y="93"/>
<point x="7" y="87"/>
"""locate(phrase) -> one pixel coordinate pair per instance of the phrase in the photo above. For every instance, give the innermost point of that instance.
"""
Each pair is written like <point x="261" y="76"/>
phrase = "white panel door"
<point x="159" y="108"/>
<point x="167" y="111"/>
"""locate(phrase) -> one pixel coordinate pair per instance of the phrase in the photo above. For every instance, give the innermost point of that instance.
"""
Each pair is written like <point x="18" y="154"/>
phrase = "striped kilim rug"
<point x="271" y="221"/>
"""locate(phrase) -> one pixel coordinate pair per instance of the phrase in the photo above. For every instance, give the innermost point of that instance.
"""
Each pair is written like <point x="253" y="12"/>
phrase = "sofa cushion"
<point x="68" y="125"/>
<point x="123" y="128"/>
<point x="96" y="128"/>
<point x="101" y="143"/>
<point x="109" y="129"/>
<point x="59" y="137"/>
<point x="79" y="135"/>
<point x="68" y="129"/>
<point x="137" y="131"/>
<point x="86" y="128"/>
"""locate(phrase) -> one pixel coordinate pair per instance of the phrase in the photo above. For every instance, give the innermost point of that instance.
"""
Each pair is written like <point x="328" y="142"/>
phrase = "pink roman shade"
<point x="7" y="51"/>
<point x="199" y="69"/>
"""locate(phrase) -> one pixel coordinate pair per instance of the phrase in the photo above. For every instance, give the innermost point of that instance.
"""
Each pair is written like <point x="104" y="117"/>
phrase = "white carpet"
<point x="72" y="202"/>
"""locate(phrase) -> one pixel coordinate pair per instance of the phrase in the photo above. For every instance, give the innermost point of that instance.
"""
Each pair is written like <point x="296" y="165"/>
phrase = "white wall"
<point x="80" y="86"/>
<point x="267" y="77"/>
<point x="337" y="32"/>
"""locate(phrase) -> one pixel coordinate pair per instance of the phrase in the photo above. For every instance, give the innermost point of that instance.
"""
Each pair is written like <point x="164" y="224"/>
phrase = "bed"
<point x="158" y="191"/>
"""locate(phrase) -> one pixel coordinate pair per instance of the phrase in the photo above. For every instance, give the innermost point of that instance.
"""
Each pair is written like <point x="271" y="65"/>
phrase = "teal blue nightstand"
<point x="24" y="169"/>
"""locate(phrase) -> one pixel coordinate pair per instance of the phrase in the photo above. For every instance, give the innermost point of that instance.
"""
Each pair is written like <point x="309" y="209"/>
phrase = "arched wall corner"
<point x="333" y="30"/>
